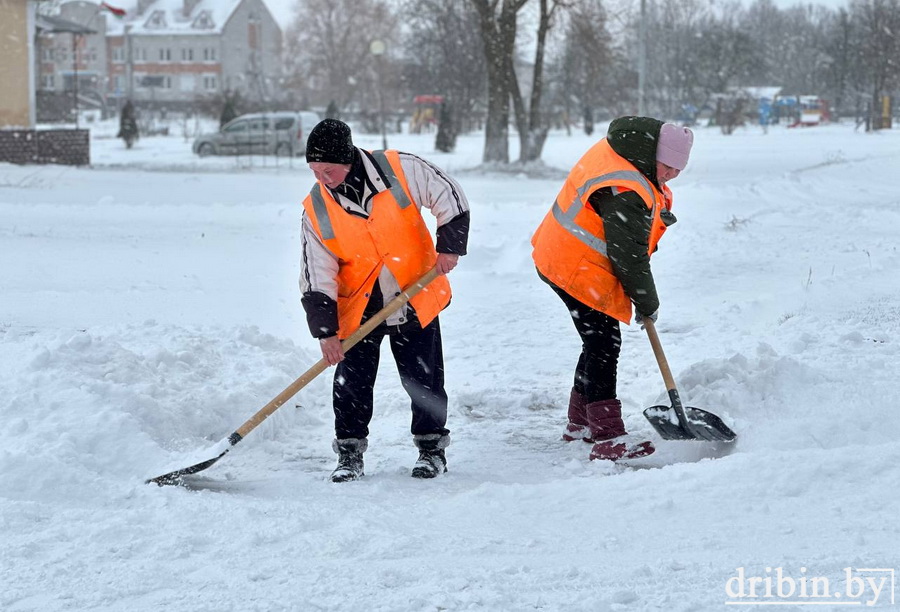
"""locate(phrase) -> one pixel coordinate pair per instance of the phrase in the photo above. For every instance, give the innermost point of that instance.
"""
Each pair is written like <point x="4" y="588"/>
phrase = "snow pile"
<point x="99" y="407"/>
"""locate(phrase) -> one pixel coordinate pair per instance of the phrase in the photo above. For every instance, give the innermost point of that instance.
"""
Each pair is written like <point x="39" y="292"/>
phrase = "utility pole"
<point x="642" y="58"/>
<point x="79" y="40"/>
<point x="129" y="63"/>
<point x="378" y="48"/>
<point x="75" y="76"/>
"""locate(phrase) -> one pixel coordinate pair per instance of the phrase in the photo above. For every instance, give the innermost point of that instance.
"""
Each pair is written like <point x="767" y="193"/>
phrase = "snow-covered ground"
<point x="149" y="306"/>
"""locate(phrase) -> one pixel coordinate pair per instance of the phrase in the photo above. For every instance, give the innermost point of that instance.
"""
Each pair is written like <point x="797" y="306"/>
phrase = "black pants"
<point x="420" y="361"/>
<point x="595" y="374"/>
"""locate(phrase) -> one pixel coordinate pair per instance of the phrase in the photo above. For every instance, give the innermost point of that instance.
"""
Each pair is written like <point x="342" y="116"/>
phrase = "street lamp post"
<point x="377" y="48"/>
<point x="75" y="77"/>
<point x="642" y="58"/>
<point x="129" y="65"/>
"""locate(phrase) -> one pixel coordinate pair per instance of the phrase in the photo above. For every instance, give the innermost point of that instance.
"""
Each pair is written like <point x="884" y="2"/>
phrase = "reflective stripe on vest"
<point x="396" y="188"/>
<point x="567" y="218"/>
<point x="324" y="220"/>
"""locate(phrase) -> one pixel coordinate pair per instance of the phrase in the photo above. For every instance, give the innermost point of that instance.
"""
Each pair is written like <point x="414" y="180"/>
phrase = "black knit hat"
<point x="330" y="142"/>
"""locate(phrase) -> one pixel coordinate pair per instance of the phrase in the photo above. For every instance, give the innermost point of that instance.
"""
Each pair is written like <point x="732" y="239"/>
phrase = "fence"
<point x="68" y="147"/>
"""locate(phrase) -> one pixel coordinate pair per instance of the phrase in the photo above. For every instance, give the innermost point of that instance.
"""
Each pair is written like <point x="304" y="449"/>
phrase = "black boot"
<point x="432" y="461"/>
<point x="350" y="459"/>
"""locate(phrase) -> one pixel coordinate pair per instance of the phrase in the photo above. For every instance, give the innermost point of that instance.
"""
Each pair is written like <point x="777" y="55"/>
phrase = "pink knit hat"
<point x="674" y="146"/>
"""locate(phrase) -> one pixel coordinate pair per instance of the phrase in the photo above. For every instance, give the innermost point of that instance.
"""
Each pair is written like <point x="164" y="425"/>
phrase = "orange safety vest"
<point x="394" y="235"/>
<point x="570" y="243"/>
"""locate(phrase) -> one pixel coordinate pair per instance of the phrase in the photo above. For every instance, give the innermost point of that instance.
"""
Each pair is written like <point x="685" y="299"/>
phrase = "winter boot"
<point x="612" y="442"/>
<point x="577" y="428"/>
<point x="628" y="446"/>
<point x="350" y="459"/>
<point x="432" y="461"/>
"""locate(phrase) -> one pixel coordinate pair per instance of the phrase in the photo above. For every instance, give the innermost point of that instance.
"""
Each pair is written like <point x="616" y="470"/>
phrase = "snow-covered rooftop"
<point x="166" y="17"/>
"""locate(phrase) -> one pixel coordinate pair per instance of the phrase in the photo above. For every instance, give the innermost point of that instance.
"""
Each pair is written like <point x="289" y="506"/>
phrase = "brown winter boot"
<point x="612" y="442"/>
<point x="577" y="428"/>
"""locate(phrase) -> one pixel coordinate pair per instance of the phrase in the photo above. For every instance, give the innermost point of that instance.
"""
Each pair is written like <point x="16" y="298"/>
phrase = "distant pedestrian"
<point x="128" y="127"/>
<point x="364" y="238"/>
<point x="593" y="248"/>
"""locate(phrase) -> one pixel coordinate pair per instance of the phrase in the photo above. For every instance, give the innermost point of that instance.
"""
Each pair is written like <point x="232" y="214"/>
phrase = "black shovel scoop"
<point x="677" y="422"/>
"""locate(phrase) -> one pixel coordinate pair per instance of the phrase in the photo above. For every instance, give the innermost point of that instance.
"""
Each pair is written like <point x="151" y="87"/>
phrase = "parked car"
<point x="280" y="133"/>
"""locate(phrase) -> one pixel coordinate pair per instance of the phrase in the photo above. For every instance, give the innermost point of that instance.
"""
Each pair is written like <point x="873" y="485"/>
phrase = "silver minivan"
<point x="280" y="133"/>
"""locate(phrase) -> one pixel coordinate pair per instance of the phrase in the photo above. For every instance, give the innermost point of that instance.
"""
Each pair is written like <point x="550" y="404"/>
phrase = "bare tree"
<point x="698" y="49"/>
<point x="444" y="56"/>
<point x="803" y="57"/>
<point x="593" y="59"/>
<point x="531" y="123"/>
<point x="765" y="23"/>
<point x="328" y="53"/>
<point x="838" y="49"/>
<point x="879" y="44"/>
<point x="498" y="20"/>
<point x="675" y="37"/>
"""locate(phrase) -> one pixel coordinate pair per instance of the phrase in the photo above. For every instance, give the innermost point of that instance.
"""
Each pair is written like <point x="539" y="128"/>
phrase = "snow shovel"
<point x="204" y="459"/>
<point x="677" y="422"/>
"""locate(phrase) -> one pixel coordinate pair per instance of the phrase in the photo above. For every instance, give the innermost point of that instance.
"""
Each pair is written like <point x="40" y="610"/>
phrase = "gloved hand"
<point x="639" y="318"/>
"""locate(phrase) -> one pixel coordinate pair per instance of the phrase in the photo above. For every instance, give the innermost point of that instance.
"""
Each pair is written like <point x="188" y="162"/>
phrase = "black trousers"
<point x="420" y="361"/>
<point x="595" y="374"/>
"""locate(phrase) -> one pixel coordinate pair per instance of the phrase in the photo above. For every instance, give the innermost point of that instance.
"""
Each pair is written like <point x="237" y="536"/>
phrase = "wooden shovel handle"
<point x="660" y="355"/>
<point x="393" y="306"/>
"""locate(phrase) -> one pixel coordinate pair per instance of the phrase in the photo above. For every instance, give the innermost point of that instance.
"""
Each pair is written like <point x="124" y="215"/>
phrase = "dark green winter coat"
<point x="626" y="218"/>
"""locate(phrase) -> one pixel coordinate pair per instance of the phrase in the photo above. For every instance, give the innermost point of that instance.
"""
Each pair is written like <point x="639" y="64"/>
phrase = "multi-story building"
<point x="164" y="53"/>
<point x="17" y="93"/>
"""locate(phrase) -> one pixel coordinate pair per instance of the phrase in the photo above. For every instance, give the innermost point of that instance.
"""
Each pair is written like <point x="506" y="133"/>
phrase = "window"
<point x="187" y="55"/>
<point x="284" y="124"/>
<point x="165" y="55"/>
<point x="48" y="81"/>
<point x="118" y="83"/>
<point x="188" y="82"/>
<point x="209" y="54"/>
<point x="210" y="83"/>
<point x="48" y="54"/>
<point x="118" y="55"/>
<point x="154" y="81"/>
<point x="204" y="21"/>
<point x="156" y="21"/>
<point x="140" y="54"/>
<point x="62" y="54"/>
<point x="240" y="126"/>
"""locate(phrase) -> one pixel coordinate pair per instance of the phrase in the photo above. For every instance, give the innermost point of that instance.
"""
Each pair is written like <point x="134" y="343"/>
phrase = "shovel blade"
<point x="196" y="463"/>
<point x="175" y="477"/>
<point x="701" y="425"/>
